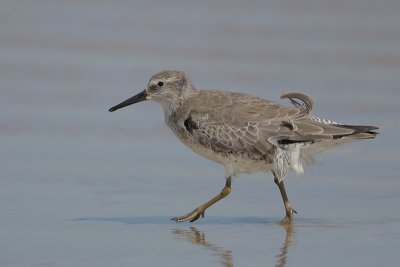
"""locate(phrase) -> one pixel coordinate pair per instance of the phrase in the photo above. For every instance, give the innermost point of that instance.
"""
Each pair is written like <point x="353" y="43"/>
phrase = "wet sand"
<point x="80" y="186"/>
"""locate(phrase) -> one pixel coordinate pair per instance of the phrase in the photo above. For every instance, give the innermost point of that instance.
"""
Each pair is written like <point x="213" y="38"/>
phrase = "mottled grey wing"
<point x="225" y="137"/>
<point x="241" y="123"/>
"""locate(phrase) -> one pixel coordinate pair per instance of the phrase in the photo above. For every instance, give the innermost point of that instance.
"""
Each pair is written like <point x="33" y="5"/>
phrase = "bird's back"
<point x="239" y="124"/>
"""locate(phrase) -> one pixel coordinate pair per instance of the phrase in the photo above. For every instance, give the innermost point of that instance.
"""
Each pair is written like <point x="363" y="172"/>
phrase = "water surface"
<point x="80" y="186"/>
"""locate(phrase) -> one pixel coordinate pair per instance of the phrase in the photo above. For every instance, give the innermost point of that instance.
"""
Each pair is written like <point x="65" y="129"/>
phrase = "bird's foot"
<point x="191" y="216"/>
<point x="289" y="218"/>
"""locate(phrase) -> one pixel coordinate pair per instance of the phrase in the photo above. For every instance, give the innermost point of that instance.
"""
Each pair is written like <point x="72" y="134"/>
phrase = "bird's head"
<point x="167" y="88"/>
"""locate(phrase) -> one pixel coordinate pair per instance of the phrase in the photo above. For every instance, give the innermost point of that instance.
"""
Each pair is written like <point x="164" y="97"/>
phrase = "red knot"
<point x="245" y="133"/>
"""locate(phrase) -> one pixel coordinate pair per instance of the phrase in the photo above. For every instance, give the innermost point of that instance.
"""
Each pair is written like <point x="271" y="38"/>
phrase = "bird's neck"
<point x="178" y="102"/>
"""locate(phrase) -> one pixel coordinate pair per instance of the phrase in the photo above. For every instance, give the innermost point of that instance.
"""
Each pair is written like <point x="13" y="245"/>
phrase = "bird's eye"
<point x="160" y="83"/>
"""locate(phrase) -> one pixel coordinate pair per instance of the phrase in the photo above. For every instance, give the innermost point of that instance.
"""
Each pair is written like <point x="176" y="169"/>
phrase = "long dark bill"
<point x="134" y="99"/>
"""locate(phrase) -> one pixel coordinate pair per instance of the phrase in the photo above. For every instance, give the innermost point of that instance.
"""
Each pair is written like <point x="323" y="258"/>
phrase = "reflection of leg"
<point x="282" y="256"/>
<point x="289" y="210"/>
<point x="197" y="237"/>
<point x="199" y="211"/>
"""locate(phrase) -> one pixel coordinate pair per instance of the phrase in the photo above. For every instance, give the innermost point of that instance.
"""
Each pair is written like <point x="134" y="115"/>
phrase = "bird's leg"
<point x="289" y="210"/>
<point x="199" y="211"/>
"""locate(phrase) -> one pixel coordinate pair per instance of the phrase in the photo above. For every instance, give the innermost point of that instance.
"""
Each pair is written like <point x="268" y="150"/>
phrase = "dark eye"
<point x="160" y="83"/>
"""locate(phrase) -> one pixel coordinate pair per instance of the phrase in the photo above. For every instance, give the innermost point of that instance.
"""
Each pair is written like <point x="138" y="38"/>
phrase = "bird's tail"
<point x="360" y="132"/>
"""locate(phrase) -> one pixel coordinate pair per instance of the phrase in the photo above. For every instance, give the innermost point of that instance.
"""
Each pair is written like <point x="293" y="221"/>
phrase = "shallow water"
<point x="83" y="187"/>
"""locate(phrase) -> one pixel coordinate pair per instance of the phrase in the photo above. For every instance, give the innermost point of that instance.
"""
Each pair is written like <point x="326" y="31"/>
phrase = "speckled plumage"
<point x="243" y="132"/>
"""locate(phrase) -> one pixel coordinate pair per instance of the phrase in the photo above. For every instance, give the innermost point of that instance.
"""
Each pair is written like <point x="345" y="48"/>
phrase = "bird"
<point x="245" y="133"/>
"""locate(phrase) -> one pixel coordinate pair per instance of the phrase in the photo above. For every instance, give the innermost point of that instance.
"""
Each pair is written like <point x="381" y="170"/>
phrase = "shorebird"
<point x="245" y="133"/>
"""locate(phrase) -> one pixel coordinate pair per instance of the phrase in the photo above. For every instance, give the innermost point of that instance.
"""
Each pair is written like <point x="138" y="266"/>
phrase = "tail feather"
<point x="360" y="132"/>
<point x="361" y="129"/>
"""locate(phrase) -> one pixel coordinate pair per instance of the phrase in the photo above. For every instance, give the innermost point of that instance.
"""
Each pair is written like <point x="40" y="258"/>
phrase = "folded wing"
<point x="251" y="125"/>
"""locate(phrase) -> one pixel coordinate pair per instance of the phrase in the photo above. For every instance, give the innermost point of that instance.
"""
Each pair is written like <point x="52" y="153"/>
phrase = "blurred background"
<point x="81" y="186"/>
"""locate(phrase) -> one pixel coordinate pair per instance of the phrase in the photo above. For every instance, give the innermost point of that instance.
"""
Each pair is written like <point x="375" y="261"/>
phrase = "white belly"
<point x="233" y="163"/>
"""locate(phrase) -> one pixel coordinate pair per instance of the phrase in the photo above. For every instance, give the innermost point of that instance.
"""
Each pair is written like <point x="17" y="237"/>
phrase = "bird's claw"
<point x="289" y="215"/>
<point x="191" y="217"/>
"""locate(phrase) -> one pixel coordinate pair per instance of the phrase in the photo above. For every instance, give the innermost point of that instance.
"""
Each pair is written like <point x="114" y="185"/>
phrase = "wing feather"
<point x="248" y="124"/>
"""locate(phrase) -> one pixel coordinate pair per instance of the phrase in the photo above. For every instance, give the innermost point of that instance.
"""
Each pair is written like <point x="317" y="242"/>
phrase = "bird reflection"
<point x="282" y="256"/>
<point x="197" y="237"/>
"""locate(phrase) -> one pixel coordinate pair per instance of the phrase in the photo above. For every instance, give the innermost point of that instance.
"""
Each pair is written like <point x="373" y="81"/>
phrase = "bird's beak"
<point x="134" y="99"/>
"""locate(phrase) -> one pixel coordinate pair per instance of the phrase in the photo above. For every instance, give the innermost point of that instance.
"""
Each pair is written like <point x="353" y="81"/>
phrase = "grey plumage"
<point x="243" y="132"/>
